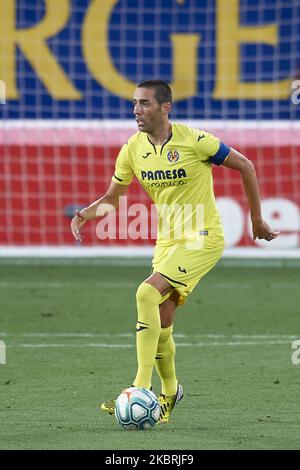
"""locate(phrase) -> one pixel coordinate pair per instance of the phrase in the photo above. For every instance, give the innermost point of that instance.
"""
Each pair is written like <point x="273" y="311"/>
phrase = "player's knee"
<point x="147" y="293"/>
<point x="167" y="310"/>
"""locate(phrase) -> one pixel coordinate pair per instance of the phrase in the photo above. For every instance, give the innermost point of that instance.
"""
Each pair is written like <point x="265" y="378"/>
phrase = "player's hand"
<point x="77" y="223"/>
<point x="263" y="231"/>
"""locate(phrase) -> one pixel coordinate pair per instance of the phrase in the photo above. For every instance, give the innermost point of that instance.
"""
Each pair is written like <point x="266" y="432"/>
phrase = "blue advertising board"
<point x="81" y="59"/>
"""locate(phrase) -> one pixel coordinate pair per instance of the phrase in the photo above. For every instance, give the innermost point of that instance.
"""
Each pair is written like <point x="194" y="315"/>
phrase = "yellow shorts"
<point x="183" y="267"/>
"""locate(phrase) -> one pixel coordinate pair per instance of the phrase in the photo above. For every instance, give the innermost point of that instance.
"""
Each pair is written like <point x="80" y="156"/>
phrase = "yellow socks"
<point x="155" y="345"/>
<point x="164" y="361"/>
<point x="147" y="332"/>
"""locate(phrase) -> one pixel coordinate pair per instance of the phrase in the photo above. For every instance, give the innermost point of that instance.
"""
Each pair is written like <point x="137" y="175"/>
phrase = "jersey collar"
<point x="165" y="142"/>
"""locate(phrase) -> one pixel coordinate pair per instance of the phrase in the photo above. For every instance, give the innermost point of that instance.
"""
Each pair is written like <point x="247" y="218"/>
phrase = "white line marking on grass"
<point x="265" y="336"/>
<point x="233" y="343"/>
<point x="132" y="335"/>
<point x="120" y="346"/>
<point x="81" y="335"/>
<point x="260" y="337"/>
<point x="65" y="345"/>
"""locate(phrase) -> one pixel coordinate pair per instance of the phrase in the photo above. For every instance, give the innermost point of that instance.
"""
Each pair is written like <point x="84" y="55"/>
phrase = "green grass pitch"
<point x="70" y="344"/>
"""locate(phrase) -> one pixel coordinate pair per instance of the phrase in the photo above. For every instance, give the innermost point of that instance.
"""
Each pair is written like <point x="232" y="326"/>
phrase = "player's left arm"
<point x="237" y="161"/>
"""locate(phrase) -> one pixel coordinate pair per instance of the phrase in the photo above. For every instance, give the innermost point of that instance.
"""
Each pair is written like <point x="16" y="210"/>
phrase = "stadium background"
<point x="69" y="80"/>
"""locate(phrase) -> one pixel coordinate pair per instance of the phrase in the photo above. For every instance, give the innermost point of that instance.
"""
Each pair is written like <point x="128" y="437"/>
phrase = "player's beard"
<point x="148" y="127"/>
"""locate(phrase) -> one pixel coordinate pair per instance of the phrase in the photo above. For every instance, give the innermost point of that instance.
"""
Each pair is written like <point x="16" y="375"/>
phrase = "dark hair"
<point x="163" y="93"/>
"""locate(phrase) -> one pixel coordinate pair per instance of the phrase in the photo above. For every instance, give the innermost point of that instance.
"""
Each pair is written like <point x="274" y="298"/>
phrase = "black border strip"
<point x="151" y="144"/>
<point x="168" y="140"/>
<point x="119" y="179"/>
<point x="177" y="282"/>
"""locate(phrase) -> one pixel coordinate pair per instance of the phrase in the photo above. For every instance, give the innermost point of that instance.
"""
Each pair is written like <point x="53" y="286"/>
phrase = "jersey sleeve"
<point x="123" y="171"/>
<point x="210" y="148"/>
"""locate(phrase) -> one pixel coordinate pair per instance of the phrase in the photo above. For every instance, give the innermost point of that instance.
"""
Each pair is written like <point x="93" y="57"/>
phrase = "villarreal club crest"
<point x="173" y="156"/>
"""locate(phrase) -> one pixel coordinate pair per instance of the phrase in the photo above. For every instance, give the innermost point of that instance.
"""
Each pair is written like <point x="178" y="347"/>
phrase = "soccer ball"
<point x="137" y="408"/>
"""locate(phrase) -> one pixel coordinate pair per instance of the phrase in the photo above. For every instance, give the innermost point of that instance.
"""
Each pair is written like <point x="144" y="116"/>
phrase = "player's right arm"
<point x="110" y="200"/>
<point x="105" y="204"/>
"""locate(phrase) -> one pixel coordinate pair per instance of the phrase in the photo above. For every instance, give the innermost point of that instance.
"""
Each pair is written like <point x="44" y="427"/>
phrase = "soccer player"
<point x="173" y="163"/>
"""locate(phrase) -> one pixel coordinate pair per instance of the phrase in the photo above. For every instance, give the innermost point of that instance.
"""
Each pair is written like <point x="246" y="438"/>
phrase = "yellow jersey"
<point x="178" y="178"/>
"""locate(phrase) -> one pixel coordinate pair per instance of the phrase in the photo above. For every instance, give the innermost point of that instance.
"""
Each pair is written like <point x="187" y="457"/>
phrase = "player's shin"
<point x="147" y="332"/>
<point x="165" y="361"/>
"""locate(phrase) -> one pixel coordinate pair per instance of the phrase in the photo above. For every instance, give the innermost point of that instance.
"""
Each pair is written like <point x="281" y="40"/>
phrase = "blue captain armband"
<point x="221" y="154"/>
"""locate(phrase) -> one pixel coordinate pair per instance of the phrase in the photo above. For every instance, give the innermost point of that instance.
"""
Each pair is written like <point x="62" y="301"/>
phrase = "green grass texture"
<point x="69" y="331"/>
